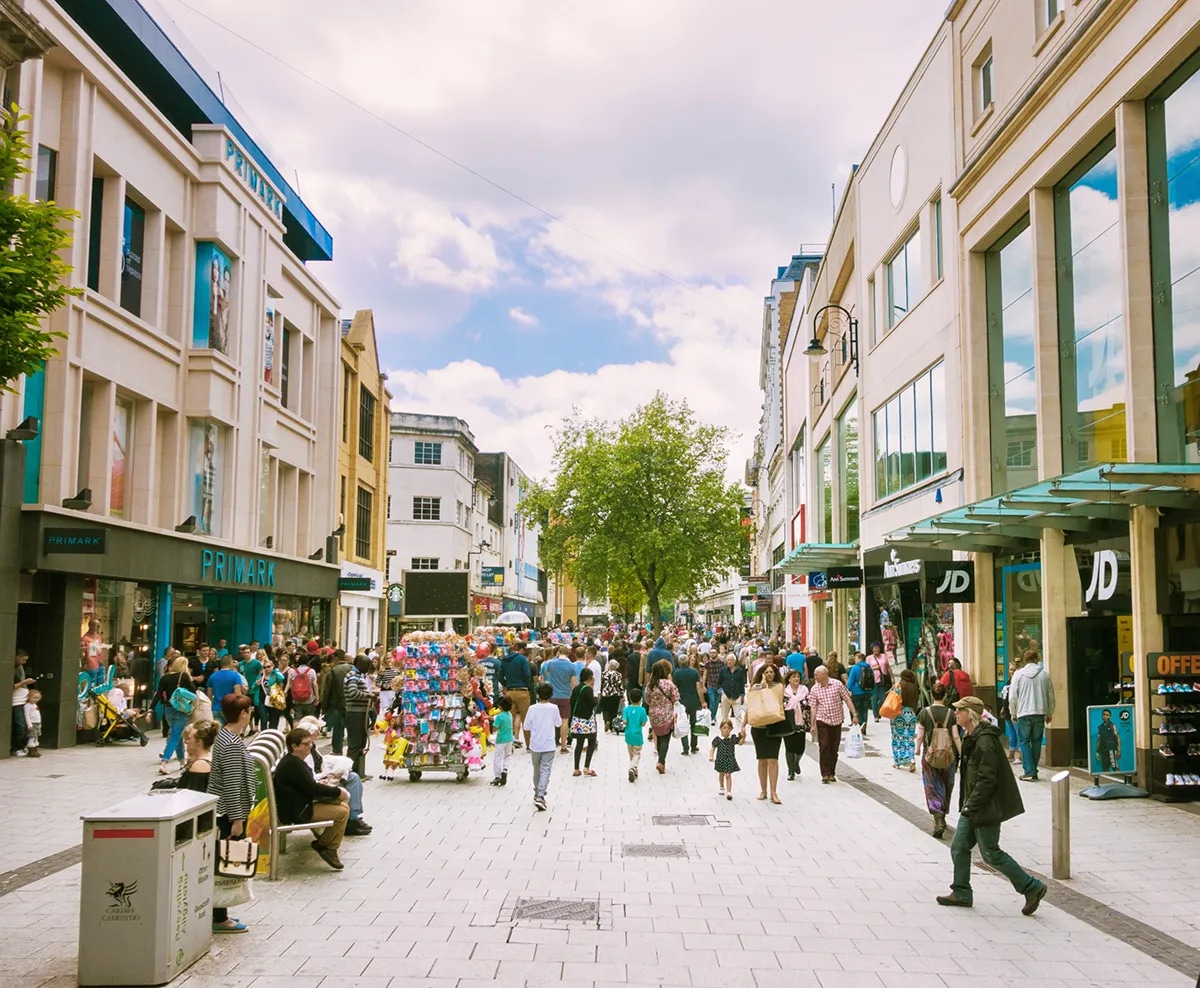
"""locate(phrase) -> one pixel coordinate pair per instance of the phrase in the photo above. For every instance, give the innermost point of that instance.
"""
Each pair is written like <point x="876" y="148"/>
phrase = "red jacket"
<point x="962" y="682"/>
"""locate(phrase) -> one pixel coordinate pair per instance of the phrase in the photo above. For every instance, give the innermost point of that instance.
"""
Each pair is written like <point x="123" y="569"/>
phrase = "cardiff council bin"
<point x="145" y="901"/>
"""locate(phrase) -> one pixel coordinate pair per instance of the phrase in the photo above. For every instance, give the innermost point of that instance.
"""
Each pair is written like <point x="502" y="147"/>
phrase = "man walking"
<point x="333" y="698"/>
<point x="987" y="796"/>
<point x="516" y="678"/>
<point x="826" y="700"/>
<point x="1031" y="700"/>
<point x="862" y="684"/>
<point x="712" y="682"/>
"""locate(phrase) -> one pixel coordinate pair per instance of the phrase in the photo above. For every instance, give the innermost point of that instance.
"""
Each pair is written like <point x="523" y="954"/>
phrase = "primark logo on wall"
<point x="895" y="568"/>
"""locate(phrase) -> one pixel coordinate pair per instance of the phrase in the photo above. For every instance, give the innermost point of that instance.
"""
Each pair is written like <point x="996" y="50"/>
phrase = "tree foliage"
<point x="33" y="235"/>
<point x="639" y="510"/>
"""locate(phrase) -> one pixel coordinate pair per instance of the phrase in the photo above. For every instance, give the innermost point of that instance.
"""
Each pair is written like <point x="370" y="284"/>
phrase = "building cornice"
<point x="21" y="36"/>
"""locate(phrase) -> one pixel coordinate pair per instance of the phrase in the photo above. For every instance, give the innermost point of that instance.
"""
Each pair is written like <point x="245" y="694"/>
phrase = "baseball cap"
<point x="969" y="703"/>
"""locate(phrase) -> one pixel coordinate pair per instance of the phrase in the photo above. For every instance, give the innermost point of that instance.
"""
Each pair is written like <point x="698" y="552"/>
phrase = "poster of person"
<point x="206" y="458"/>
<point x="122" y="413"/>
<point x="269" y="350"/>
<point x="214" y="298"/>
<point x="1110" y="740"/>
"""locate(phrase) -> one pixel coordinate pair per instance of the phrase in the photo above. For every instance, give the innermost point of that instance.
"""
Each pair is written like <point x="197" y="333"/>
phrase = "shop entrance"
<point x="1019" y="623"/>
<point x="1093" y="666"/>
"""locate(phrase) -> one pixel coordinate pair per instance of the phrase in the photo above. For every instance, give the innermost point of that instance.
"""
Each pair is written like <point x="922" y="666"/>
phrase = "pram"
<point x="116" y="719"/>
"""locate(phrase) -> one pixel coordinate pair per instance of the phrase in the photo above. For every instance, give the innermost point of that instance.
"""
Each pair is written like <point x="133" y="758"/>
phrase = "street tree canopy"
<point x="33" y="235"/>
<point x="641" y="504"/>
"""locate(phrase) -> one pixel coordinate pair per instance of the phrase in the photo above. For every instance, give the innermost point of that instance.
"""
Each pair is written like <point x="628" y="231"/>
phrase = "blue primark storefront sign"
<point x="234" y="569"/>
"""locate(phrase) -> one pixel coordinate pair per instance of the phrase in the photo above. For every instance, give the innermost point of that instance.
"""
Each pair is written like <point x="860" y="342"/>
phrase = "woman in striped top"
<point x="232" y="782"/>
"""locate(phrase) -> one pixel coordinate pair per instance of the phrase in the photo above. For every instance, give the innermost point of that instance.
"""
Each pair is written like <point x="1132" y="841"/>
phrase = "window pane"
<point x="133" y="246"/>
<point x="47" y="173"/>
<point x="879" y="430"/>
<point x="1095" y="414"/>
<point x="848" y="437"/>
<point x="908" y="436"/>
<point x="1010" y="322"/>
<point x="893" y="430"/>
<point x="916" y="284"/>
<point x="937" y="380"/>
<point x="825" y="466"/>
<point x="924" y="429"/>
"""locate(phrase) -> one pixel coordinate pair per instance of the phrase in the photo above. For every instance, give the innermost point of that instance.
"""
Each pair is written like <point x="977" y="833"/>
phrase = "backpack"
<point x="302" y="686"/>
<point x="183" y="700"/>
<point x="939" y="753"/>
<point x="866" y="677"/>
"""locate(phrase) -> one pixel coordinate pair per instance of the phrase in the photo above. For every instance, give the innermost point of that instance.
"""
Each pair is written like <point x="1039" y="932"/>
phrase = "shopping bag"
<point x="855" y="747"/>
<point x="764" y="706"/>
<point x="892" y="705"/>
<point x="237" y="858"/>
<point x="682" y="726"/>
<point x="230" y="892"/>
<point x="201" y="709"/>
<point x="703" y="721"/>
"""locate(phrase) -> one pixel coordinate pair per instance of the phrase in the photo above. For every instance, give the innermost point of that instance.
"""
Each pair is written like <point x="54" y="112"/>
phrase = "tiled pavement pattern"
<point x="767" y="895"/>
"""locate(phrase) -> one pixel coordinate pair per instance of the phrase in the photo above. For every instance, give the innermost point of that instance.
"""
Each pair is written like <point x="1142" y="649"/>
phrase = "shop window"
<point x="362" y="524"/>
<point x="424" y="562"/>
<point x="909" y="433"/>
<point x="47" y="174"/>
<point x="427" y="509"/>
<point x="117" y="629"/>
<point x="427" y="454"/>
<point x="848" y="458"/>
<point x="121" y="476"/>
<point x="132" y="252"/>
<point x="1012" y="370"/>
<point x="366" y="424"/>
<point x="984" y="81"/>
<point x="904" y="279"/>
<point x="298" y="619"/>
<point x="825" y="481"/>
<point x="286" y="394"/>
<point x="1090" y="312"/>
<point x="205" y="490"/>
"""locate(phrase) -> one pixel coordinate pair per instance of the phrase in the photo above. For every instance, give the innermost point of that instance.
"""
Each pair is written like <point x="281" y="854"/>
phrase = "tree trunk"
<point x="652" y="604"/>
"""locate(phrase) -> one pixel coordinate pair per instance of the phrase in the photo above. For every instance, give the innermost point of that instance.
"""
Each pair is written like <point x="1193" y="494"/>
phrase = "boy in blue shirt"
<point x="503" y="724"/>
<point x="636" y="719"/>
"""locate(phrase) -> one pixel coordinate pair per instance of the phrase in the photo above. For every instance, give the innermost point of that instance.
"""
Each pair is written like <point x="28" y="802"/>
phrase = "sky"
<point x="638" y="170"/>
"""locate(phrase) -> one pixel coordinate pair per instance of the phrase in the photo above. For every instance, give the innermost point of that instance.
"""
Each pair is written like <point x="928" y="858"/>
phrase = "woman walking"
<point x="661" y="697"/>
<point x="273" y="688"/>
<point x="232" y="781"/>
<point x="691" y="695"/>
<point x="583" y="721"/>
<point x="939" y="746"/>
<point x="904" y="727"/>
<point x="176" y="720"/>
<point x="795" y="704"/>
<point x="612" y="685"/>
<point x="768" y="739"/>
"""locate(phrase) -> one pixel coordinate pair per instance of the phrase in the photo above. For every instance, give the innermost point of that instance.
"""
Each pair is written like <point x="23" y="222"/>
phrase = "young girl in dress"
<point x="725" y="756"/>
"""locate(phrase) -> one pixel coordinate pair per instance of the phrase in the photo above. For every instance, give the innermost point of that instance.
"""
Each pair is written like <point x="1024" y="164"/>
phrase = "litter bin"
<point x="145" y="902"/>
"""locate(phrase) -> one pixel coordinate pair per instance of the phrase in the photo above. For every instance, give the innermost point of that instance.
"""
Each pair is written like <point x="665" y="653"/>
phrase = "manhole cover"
<point x="557" y="910"/>
<point x="685" y="820"/>
<point x="653" y="851"/>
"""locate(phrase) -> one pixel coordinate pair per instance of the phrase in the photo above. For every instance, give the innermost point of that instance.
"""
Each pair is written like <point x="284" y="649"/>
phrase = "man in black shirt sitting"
<point x="297" y="792"/>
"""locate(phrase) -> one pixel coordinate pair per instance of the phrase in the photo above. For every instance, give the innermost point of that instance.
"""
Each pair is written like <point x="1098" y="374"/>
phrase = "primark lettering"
<point x="236" y="569"/>
<point x="239" y="161"/>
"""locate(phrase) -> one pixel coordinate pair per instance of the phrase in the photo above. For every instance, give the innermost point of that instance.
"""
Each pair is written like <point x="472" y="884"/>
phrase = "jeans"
<point x="543" y="762"/>
<point x="20" y="734"/>
<point x="714" y="697"/>
<point x="335" y="720"/>
<point x="356" y="738"/>
<point x="877" y="696"/>
<point x="966" y="836"/>
<point x="176" y="721"/>
<point x="1030" y="730"/>
<point x="662" y="742"/>
<point x="353" y="785"/>
<point x="862" y="707"/>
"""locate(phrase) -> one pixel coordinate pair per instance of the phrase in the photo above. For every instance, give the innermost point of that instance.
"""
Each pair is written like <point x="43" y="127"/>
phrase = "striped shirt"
<point x="826" y="702"/>
<point x="354" y="689"/>
<point x="232" y="778"/>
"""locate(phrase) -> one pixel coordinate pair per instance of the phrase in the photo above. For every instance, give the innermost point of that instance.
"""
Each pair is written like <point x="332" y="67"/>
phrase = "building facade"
<point x="525" y="587"/>
<point x="178" y="489"/>
<point x="362" y="486"/>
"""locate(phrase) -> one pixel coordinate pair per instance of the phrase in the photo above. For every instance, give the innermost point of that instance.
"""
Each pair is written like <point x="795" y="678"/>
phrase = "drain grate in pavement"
<point x="653" y="851"/>
<point x="682" y="820"/>
<point x="557" y="910"/>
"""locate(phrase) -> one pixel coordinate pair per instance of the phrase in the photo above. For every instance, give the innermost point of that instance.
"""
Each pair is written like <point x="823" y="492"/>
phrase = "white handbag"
<point x="237" y="858"/>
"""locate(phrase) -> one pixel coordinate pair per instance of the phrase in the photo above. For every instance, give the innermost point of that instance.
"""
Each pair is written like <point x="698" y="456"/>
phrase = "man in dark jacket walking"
<point x="987" y="796"/>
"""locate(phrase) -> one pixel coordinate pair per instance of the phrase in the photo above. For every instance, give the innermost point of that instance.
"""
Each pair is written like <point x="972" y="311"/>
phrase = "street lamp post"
<point x="848" y="338"/>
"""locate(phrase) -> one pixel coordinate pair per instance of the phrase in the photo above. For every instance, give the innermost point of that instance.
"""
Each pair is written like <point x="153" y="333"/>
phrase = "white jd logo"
<point x="1104" y="576"/>
<point x="1030" y="581"/>
<point x="955" y="581"/>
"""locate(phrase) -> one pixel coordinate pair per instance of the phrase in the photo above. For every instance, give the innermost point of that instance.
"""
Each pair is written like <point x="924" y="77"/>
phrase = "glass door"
<point x="1019" y="627"/>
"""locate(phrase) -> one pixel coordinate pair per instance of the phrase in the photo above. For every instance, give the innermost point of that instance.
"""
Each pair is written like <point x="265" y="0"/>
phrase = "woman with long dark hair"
<point x="661" y="697"/>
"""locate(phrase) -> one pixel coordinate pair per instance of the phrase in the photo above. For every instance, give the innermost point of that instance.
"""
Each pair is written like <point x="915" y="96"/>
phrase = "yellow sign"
<point x="1125" y="638"/>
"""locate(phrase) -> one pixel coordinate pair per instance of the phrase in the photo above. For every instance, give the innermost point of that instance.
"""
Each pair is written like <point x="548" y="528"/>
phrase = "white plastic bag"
<point x="682" y="726"/>
<point x="228" y="892"/>
<point x="855" y="747"/>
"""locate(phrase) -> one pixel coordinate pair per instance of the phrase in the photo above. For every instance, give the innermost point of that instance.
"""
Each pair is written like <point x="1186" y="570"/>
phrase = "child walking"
<point x="503" y="724"/>
<point x="33" y="723"/>
<point x="542" y="724"/>
<point x="636" y="720"/>
<point x="726" y="757"/>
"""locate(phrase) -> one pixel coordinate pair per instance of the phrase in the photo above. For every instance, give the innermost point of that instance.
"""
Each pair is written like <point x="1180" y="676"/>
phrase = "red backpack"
<point x="302" y="691"/>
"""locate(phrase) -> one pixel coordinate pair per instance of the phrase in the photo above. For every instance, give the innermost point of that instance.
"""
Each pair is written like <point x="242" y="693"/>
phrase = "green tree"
<point x="33" y="236"/>
<point x="641" y="503"/>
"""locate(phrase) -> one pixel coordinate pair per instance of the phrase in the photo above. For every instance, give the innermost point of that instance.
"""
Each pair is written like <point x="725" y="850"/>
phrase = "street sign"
<point x="395" y="592"/>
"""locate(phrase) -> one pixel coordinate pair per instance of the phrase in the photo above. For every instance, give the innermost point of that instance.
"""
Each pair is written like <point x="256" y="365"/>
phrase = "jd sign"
<point x="1105" y="570"/>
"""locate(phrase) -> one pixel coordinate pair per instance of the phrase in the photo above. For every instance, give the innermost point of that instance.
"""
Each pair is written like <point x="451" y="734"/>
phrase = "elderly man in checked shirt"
<point x="826" y="700"/>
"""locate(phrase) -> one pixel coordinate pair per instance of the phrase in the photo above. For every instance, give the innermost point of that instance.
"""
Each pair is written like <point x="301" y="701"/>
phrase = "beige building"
<point x="1064" y="477"/>
<point x="362" y="486"/>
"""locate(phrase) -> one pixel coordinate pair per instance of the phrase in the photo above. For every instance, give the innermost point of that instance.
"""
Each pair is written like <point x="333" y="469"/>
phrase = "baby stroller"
<point x="116" y="719"/>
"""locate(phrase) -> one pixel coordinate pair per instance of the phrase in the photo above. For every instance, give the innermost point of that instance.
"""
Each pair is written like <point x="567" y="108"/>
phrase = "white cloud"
<point x="435" y="248"/>
<point x="521" y="317"/>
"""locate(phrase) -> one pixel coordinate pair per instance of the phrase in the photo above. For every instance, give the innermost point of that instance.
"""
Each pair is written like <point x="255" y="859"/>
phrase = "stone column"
<point x="112" y="234"/>
<point x="1147" y="627"/>
<point x="143" y="507"/>
<point x="1055" y="560"/>
<point x="1045" y="314"/>
<point x="12" y="490"/>
<point x="975" y="645"/>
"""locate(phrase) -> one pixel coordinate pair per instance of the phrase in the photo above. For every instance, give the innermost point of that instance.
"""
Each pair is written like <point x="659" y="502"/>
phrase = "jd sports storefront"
<point x="95" y="595"/>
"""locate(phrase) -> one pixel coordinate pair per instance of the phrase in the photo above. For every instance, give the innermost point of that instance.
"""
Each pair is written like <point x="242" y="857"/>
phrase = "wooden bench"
<point x="267" y="748"/>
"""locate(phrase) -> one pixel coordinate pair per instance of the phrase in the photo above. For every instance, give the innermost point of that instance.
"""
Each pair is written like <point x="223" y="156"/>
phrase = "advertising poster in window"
<point x="206" y="461"/>
<point x="269" y="344"/>
<point x="214" y="291"/>
<point x="132" y="248"/>
<point x="122" y="415"/>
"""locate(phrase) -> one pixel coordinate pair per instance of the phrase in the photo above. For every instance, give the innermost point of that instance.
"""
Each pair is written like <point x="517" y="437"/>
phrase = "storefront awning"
<point x="811" y="557"/>
<point x="1085" y="506"/>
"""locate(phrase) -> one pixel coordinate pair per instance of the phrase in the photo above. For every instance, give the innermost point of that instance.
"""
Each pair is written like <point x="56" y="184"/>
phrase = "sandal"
<point x="762" y="795"/>
<point x="235" y="928"/>
<point x="577" y="772"/>
<point x="589" y="772"/>
<point x="776" y="800"/>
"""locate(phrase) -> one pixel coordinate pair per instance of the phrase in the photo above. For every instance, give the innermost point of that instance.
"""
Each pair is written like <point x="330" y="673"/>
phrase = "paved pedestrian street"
<point x="833" y="888"/>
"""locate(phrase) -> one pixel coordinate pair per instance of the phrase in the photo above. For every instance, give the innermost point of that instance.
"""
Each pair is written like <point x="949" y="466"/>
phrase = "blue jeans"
<point x="353" y="785"/>
<point x="877" y="695"/>
<point x="713" y="695"/>
<point x="176" y="722"/>
<point x="1030" y="730"/>
<point x="966" y="836"/>
<point x="543" y="762"/>
<point x="862" y="707"/>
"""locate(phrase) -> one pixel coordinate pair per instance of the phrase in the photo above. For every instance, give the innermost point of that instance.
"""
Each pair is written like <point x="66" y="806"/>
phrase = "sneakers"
<point x="33" y="753"/>
<point x="1029" y="778"/>
<point x="504" y="777"/>
<point x="539" y="802"/>
<point x="1033" y="899"/>
<point x="496" y="782"/>
<point x="953" y="900"/>
<point x="21" y="754"/>
<point x="633" y="773"/>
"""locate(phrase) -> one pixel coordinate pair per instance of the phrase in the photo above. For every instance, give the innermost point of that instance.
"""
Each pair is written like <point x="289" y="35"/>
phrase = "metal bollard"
<point x="1060" y="823"/>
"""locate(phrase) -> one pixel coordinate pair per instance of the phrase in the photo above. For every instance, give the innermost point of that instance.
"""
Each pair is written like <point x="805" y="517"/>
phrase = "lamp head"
<point x="815" y="349"/>
<point x="27" y="430"/>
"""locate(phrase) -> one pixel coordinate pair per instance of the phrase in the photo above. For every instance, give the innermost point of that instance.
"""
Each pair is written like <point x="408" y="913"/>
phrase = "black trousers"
<point x="591" y="742"/>
<point x="689" y="739"/>
<point x="793" y="748"/>
<point x="608" y="710"/>
<point x="662" y="743"/>
<point x="356" y="738"/>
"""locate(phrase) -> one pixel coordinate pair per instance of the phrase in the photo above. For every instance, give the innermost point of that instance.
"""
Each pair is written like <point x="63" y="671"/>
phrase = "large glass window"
<point x="366" y="424"/>
<point x="47" y="173"/>
<point x="909" y="433"/>
<point x="1174" y="155"/>
<point x="116" y="629"/>
<point x="133" y="248"/>
<point x="1011" y="367"/>
<point x="1091" y="323"/>
<point x="427" y="454"/>
<point x="362" y="524"/>
<point x="120" y="480"/>
<point x="825" y="479"/>
<point x="904" y="279"/>
<point x="848" y="458"/>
